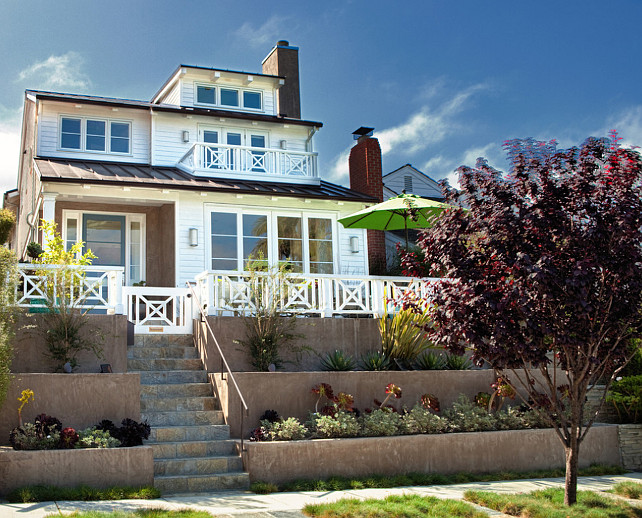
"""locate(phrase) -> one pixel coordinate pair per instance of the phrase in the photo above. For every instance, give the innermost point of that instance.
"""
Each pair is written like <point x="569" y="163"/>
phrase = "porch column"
<point x="48" y="214"/>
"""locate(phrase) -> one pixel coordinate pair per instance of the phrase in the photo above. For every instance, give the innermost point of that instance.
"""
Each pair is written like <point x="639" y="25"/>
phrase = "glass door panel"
<point x="234" y="155"/>
<point x="211" y="155"/>
<point x="258" y="157"/>
<point x="224" y="241"/>
<point x="104" y="235"/>
<point x="290" y="242"/>
<point x="255" y="238"/>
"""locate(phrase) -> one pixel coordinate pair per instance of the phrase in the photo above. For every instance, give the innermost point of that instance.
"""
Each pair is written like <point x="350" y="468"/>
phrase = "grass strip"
<point x="85" y="493"/>
<point x="406" y="506"/>
<point x="549" y="503"/>
<point x="422" y="479"/>
<point x="628" y="490"/>
<point x="139" y="513"/>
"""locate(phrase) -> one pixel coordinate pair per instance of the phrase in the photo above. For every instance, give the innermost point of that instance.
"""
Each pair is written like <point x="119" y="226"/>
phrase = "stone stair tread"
<point x="156" y="353"/>
<point x="164" y="364"/>
<point x="200" y="483"/>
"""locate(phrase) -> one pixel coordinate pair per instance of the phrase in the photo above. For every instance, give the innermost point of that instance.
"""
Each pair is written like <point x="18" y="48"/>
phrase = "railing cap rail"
<point x="89" y="268"/>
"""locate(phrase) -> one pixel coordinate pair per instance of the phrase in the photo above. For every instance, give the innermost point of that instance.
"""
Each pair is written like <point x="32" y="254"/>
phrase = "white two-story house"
<point x="216" y="168"/>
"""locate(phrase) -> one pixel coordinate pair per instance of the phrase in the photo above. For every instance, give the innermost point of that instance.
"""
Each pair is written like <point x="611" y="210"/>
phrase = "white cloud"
<point x="421" y="130"/>
<point x="57" y="73"/>
<point x="267" y="34"/>
<point x="628" y="125"/>
<point x="9" y="153"/>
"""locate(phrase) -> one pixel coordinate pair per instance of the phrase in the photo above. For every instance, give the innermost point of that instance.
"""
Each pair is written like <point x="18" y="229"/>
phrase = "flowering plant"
<point x="430" y="402"/>
<point x="25" y="396"/>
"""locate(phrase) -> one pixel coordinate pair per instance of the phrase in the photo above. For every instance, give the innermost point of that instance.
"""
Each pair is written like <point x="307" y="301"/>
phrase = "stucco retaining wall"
<point x="354" y="336"/>
<point x="99" y="468"/>
<point x="29" y="345"/>
<point x="515" y="450"/>
<point x="289" y="393"/>
<point x="78" y="400"/>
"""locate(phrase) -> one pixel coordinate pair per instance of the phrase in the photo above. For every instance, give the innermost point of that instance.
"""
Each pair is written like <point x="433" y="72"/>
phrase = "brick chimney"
<point x="366" y="177"/>
<point x="283" y="60"/>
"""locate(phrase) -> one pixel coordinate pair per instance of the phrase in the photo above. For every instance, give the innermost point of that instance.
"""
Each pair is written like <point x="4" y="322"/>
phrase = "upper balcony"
<point x="252" y="163"/>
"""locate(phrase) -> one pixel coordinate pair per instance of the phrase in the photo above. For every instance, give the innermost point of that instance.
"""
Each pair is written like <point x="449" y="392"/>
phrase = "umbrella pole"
<point x="405" y="224"/>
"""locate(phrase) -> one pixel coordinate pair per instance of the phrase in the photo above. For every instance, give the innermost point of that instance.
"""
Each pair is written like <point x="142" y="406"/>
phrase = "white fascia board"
<point x="169" y="85"/>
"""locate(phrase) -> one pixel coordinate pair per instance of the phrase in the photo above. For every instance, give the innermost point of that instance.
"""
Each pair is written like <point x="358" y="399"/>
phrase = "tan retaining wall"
<point x="78" y="400"/>
<point x="518" y="450"/>
<point x="29" y="345"/>
<point x="352" y="335"/>
<point x="631" y="446"/>
<point x="99" y="468"/>
<point x="289" y="393"/>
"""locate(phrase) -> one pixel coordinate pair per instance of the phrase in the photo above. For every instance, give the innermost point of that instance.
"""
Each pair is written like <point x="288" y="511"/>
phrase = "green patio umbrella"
<point x="401" y="212"/>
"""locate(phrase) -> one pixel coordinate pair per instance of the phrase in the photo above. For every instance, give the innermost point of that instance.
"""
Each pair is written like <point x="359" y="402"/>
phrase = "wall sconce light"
<point x="354" y="244"/>
<point x="185" y="136"/>
<point x="283" y="144"/>
<point x="193" y="237"/>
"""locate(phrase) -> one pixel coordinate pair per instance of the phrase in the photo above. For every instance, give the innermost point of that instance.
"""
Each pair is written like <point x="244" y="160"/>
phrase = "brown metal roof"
<point x="142" y="175"/>
<point x="145" y="105"/>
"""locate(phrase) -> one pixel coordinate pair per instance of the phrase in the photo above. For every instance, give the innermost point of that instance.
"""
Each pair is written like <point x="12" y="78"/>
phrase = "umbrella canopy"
<point x="401" y="212"/>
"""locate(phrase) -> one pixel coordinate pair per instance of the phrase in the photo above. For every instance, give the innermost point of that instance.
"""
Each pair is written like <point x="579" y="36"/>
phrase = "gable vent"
<point x="407" y="183"/>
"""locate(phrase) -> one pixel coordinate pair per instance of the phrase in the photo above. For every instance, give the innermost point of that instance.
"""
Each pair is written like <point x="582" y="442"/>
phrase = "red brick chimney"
<point x="366" y="177"/>
<point x="283" y="60"/>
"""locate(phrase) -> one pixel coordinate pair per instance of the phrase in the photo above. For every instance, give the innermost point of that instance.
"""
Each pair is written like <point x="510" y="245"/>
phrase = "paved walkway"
<point x="243" y="504"/>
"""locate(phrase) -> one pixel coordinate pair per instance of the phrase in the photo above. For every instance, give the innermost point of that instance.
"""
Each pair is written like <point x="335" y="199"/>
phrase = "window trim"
<point x="241" y="97"/>
<point x="83" y="135"/>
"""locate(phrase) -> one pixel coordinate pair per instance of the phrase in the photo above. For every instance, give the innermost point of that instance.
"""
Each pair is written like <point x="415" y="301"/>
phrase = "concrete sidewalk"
<point x="241" y="504"/>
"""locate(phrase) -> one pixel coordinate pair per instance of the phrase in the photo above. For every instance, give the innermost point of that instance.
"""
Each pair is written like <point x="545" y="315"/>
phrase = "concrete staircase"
<point x="193" y="451"/>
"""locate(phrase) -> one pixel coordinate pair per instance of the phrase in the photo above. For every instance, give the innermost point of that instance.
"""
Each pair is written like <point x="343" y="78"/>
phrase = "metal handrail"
<point x="244" y="408"/>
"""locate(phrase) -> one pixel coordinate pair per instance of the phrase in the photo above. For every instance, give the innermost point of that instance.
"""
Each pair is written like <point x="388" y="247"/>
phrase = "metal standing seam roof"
<point x="153" y="177"/>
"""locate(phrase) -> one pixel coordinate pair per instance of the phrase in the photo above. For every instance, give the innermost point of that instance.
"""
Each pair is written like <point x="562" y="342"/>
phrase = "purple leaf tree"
<point x="545" y="269"/>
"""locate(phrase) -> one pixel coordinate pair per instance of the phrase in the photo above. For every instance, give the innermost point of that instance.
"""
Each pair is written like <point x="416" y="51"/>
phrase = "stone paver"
<point x="243" y="504"/>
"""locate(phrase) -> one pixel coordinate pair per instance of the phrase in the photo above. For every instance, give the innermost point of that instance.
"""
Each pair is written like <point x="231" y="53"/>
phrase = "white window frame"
<point x="130" y="217"/>
<point x="83" y="135"/>
<point x="272" y="229"/>
<point x="217" y="97"/>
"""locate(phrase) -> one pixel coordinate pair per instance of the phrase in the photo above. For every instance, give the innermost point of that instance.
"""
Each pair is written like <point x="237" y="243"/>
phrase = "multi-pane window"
<point x="95" y="135"/>
<point x="320" y="245"/>
<point x="290" y="242"/>
<point x="255" y="240"/>
<point x="229" y="97"/>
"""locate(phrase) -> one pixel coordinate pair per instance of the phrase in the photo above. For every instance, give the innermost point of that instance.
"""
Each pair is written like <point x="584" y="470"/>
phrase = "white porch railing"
<point x="88" y="287"/>
<point x="324" y="295"/>
<point x="159" y="310"/>
<point x="223" y="160"/>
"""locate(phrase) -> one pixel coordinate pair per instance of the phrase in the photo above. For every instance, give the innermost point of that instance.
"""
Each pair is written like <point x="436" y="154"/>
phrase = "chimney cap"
<point x="363" y="131"/>
<point x="283" y="43"/>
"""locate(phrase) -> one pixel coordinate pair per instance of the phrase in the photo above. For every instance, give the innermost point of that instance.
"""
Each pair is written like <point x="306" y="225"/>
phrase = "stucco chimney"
<point x="366" y="177"/>
<point x="283" y="60"/>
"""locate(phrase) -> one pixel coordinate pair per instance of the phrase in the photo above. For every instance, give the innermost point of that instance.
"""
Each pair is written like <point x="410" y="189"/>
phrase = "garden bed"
<point x="100" y="467"/>
<point x="514" y="450"/>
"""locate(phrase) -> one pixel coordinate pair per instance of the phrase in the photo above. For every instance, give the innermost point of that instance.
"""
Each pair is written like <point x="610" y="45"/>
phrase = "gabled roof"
<point x="146" y="176"/>
<point x="146" y="105"/>
<point x="413" y="168"/>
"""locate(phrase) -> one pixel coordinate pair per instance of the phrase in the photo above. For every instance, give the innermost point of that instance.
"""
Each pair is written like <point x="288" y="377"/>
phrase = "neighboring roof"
<point x="411" y="167"/>
<point x="145" y="105"/>
<point x="142" y="175"/>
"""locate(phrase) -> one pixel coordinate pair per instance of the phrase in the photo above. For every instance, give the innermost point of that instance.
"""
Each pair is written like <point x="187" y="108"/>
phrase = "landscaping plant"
<point x="8" y="284"/>
<point x="626" y="396"/>
<point x="403" y="337"/>
<point x="544" y="268"/>
<point x="338" y="361"/>
<point x="375" y="361"/>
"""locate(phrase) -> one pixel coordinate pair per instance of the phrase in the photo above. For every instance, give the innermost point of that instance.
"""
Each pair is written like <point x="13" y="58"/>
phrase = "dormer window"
<point x="95" y="135"/>
<point x="226" y="97"/>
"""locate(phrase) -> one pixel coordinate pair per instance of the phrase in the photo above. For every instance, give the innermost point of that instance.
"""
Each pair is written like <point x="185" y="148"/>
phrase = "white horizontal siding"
<point x="174" y="95"/>
<point x="48" y="131"/>
<point x="190" y="260"/>
<point x="352" y="263"/>
<point x="421" y="185"/>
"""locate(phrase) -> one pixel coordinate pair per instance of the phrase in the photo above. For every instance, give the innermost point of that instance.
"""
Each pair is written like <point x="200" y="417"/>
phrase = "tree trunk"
<point x="572" y="456"/>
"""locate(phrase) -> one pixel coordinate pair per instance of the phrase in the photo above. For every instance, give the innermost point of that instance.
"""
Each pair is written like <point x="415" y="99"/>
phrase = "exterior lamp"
<point x="354" y="244"/>
<point x="185" y="136"/>
<point x="193" y="236"/>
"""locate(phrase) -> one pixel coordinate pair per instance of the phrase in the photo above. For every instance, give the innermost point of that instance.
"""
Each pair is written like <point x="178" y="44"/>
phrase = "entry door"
<point x="104" y="235"/>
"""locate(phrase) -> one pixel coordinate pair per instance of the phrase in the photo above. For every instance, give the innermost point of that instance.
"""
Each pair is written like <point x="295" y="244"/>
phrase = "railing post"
<point x="212" y="286"/>
<point x="115" y="291"/>
<point x="378" y="296"/>
<point x="326" y="304"/>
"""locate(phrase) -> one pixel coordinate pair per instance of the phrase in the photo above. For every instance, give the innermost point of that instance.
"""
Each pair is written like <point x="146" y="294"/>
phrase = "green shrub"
<point x="375" y="361"/>
<point x="27" y="438"/>
<point x="338" y="361"/>
<point x="634" y="367"/>
<point x="626" y="396"/>
<point x="8" y="281"/>
<point x="7" y="222"/>
<point x="93" y="438"/>
<point x="381" y="422"/>
<point x="289" y="429"/>
<point x="402" y="335"/>
<point x="430" y="361"/>
<point x="465" y="416"/>
<point x="421" y="420"/>
<point x="339" y="424"/>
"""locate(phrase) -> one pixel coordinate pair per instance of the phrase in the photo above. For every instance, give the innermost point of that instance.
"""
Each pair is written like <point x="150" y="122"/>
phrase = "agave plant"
<point x="375" y="361"/>
<point x="338" y="361"/>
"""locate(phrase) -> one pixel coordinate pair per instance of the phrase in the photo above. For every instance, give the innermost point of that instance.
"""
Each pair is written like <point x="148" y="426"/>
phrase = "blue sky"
<point x="442" y="82"/>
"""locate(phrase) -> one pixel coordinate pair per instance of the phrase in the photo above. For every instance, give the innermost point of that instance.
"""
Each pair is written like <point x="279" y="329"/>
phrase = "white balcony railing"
<point x="225" y="160"/>
<point x="323" y="295"/>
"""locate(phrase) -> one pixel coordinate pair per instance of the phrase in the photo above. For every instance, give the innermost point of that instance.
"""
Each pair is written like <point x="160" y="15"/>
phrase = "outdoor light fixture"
<point x="193" y="236"/>
<point x="283" y="144"/>
<point x="185" y="136"/>
<point x="354" y="244"/>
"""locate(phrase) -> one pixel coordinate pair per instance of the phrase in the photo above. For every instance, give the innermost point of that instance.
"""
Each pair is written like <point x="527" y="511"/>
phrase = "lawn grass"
<point x="397" y="506"/>
<point x="628" y="490"/>
<point x="422" y="479"/>
<point x="549" y="503"/>
<point x="85" y="493"/>
<point x="140" y="513"/>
